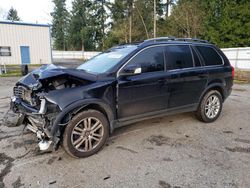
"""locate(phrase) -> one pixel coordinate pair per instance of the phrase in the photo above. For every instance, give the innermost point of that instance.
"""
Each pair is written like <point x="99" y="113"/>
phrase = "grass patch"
<point x="15" y="70"/>
<point x="241" y="82"/>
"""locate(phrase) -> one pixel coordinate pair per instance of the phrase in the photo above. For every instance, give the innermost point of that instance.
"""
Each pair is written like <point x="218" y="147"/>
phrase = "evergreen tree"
<point x="227" y="22"/>
<point x="12" y="15"/>
<point x="99" y="18"/>
<point x="81" y="36"/>
<point x="60" y="21"/>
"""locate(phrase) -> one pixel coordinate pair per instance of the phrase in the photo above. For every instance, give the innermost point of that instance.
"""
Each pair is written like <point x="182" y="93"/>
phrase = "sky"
<point x="32" y="11"/>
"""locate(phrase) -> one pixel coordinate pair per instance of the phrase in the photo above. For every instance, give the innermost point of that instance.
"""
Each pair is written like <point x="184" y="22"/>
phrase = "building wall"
<point x="36" y="37"/>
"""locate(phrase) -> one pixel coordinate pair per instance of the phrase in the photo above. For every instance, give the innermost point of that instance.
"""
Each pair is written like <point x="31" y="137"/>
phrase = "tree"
<point x="227" y="22"/>
<point x="99" y="17"/>
<point x="12" y="15"/>
<point x="132" y="20"/>
<point x="81" y="32"/>
<point x="185" y="20"/>
<point x="60" y="21"/>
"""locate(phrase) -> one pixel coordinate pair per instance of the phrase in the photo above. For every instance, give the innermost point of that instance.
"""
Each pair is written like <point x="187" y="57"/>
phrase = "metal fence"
<point x="238" y="57"/>
<point x="73" y="54"/>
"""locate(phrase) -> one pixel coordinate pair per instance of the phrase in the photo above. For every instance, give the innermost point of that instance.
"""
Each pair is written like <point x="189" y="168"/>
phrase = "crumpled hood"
<point x="48" y="71"/>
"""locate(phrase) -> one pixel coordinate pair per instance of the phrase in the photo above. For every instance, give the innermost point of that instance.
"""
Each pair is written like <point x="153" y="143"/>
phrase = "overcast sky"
<point x="30" y="10"/>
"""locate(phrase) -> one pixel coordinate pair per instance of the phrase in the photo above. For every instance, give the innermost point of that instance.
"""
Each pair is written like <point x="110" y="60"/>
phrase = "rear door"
<point x="186" y="77"/>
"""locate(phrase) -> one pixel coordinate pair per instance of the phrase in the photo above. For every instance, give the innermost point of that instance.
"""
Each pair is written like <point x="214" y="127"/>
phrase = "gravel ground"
<point x="174" y="151"/>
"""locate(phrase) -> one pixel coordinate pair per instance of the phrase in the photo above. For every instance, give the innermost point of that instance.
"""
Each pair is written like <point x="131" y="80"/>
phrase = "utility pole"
<point x="154" y="18"/>
<point x="130" y="20"/>
<point x="130" y="28"/>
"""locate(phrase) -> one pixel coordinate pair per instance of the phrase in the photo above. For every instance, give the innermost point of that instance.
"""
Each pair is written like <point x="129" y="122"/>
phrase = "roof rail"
<point x="170" y="38"/>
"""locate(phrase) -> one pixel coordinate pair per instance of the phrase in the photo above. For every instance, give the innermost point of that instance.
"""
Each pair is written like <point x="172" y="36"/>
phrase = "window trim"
<point x="141" y="50"/>
<point x="188" y="45"/>
<point x="9" y="47"/>
<point x="204" y="64"/>
<point x="165" y="70"/>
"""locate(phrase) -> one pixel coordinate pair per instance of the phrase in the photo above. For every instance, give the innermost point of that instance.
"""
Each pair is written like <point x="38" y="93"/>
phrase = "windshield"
<point x="106" y="60"/>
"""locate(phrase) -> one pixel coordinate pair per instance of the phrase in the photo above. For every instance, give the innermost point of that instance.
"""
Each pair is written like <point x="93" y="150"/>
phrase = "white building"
<point x="24" y="43"/>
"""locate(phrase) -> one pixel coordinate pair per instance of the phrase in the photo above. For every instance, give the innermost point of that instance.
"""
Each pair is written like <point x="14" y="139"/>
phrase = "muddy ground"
<point x="174" y="151"/>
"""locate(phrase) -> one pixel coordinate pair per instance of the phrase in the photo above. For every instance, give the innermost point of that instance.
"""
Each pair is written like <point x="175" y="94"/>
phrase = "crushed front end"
<point x="31" y="101"/>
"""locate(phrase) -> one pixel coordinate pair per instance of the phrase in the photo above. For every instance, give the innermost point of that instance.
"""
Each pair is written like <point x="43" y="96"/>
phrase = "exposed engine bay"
<point x="36" y="110"/>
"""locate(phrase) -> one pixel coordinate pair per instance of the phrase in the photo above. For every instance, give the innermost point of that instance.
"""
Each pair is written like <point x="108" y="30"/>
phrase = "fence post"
<point x="237" y="56"/>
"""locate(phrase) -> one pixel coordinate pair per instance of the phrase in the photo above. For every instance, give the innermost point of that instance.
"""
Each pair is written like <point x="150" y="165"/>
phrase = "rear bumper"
<point x="227" y="93"/>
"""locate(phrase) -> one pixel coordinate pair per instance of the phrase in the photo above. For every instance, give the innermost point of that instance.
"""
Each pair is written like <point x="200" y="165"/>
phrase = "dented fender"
<point x="55" y="132"/>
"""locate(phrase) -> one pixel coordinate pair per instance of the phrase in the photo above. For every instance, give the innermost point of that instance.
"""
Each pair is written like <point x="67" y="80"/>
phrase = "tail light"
<point x="233" y="73"/>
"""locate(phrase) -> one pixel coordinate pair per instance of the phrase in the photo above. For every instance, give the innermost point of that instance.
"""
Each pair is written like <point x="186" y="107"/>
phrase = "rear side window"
<point x="178" y="57"/>
<point x="150" y="60"/>
<point x="210" y="56"/>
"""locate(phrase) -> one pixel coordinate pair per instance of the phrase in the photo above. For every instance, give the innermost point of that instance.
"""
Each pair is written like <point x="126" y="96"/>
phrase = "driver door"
<point x="146" y="92"/>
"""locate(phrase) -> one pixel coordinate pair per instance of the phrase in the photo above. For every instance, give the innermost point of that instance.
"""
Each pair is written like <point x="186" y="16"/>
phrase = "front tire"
<point x="210" y="107"/>
<point x="86" y="134"/>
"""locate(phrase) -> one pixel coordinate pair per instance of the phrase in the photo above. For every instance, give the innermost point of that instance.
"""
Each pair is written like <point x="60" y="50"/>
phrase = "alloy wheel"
<point x="87" y="134"/>
<point x="212" y="106"/>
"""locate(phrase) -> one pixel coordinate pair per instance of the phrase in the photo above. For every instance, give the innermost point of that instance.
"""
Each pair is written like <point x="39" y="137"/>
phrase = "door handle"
<point x="161" y="81"/>
<point x="203" y="76"/>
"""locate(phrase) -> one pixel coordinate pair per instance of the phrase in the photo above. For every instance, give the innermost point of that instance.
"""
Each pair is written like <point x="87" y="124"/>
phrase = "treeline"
<point x="99" y="24"/>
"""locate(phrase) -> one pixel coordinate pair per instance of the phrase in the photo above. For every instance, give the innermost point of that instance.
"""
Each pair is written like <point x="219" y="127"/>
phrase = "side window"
<point x="150" y="60"/>
<point x="210" y="56"/>
<point x="178" y="57"/>
<point x="197" y="62"/>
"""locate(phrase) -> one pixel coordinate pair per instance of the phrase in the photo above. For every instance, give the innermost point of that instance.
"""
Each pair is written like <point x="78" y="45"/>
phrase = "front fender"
<point x="55" y="130"/>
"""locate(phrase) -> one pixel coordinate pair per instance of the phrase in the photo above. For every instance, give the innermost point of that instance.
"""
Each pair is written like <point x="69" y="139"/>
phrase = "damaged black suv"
<point x="81" y="107"/>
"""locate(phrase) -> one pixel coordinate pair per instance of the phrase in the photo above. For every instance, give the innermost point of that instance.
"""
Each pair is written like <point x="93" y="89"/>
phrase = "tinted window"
<point x="150" y="60"/>
<point x="197" y="62"/>
<point x="178" y="57"/>
<point x="210" y="56"/>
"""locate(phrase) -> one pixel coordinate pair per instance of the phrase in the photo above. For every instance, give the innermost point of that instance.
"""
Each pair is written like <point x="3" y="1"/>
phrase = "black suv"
<point x="127" y="83"/>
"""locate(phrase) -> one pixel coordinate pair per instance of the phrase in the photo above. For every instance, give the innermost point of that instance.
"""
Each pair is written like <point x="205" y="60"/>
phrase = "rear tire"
<point x="86" y="134"/>
<point x="210" y="107"/>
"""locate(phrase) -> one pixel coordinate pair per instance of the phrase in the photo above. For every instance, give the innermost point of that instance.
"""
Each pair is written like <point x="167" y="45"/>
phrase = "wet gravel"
<point x="169" y="152"/>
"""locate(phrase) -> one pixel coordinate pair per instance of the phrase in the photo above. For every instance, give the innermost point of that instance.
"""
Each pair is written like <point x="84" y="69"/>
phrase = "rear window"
<point x="210" y="56"/>
<point x="178" y="57"/>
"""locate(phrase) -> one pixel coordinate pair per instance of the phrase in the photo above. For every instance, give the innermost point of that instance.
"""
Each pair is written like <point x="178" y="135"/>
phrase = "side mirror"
<point x="131" y="70"/>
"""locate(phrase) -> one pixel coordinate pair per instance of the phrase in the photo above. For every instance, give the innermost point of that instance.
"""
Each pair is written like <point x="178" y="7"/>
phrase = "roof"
<point x="24" y="23"/>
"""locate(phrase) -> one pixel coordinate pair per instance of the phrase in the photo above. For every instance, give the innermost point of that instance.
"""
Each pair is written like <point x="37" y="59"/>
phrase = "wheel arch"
<point x="75" y="108"/>
<point x="214" y="86"/>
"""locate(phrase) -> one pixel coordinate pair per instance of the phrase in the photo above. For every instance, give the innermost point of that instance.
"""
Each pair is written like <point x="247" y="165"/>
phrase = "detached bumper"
<point x="17" y="105"/>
